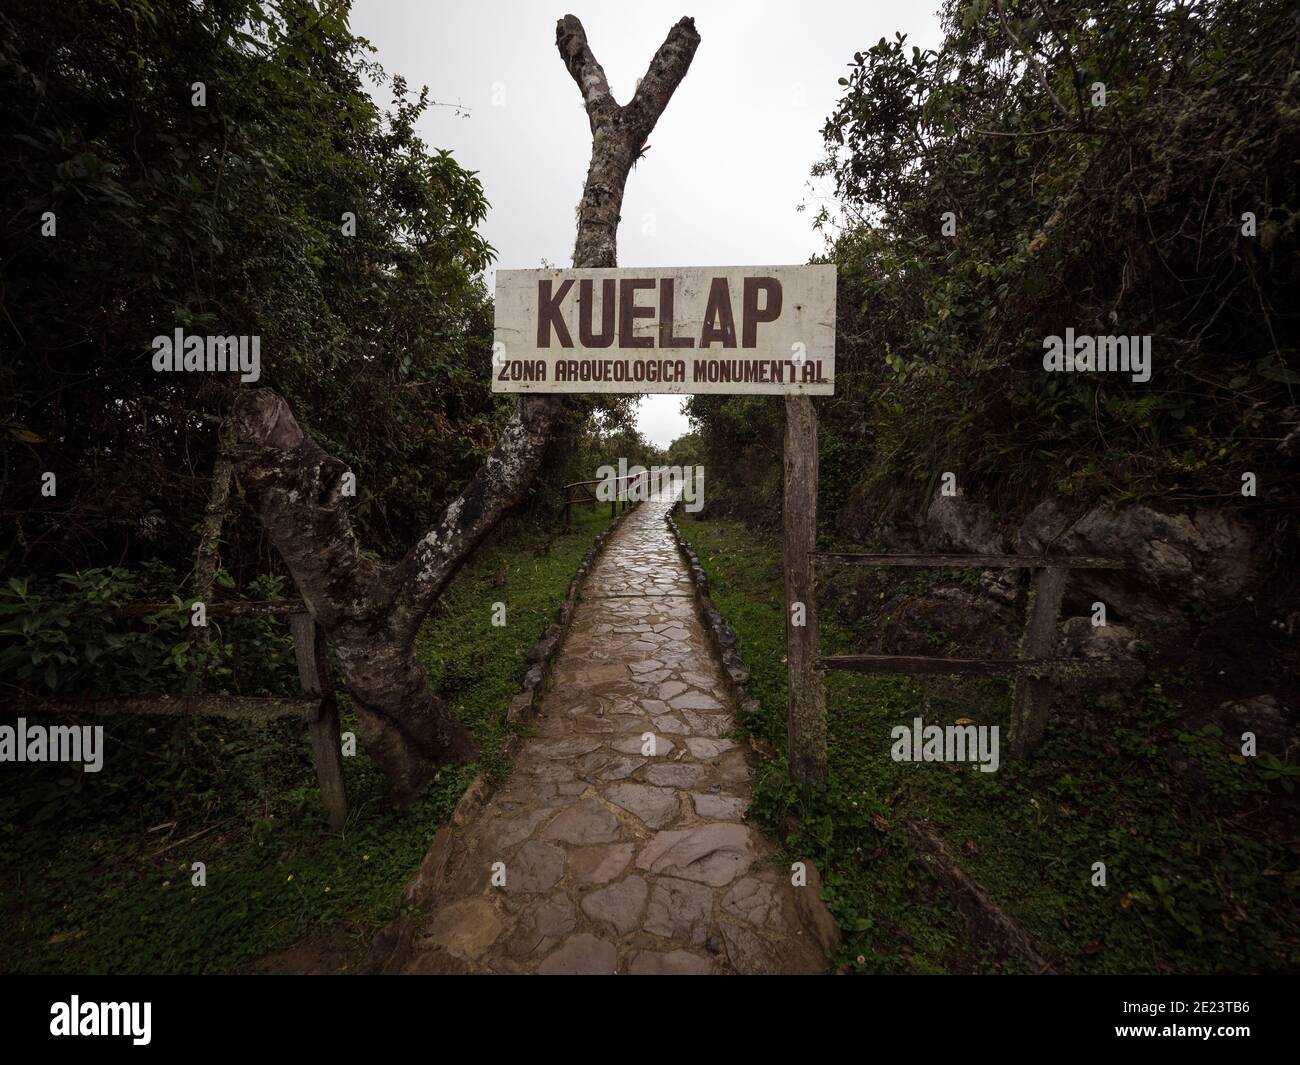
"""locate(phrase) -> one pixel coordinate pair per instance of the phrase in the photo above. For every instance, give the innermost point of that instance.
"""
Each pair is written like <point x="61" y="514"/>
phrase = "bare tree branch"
<point x="571" y="40"/>
<point x="617" y="132"/>
<point x="372" y="611"/>
<point x="1033" y="63"/>
<point x="498" y="486"/>
<point x="665" y="73"/>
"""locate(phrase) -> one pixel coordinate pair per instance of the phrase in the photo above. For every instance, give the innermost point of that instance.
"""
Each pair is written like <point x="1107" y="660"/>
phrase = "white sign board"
<point x="730" y="329"/>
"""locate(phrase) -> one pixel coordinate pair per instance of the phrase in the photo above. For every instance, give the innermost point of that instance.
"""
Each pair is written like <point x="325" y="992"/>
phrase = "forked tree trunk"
<point x="207" y="558"/>
<point x="372" y="611"/>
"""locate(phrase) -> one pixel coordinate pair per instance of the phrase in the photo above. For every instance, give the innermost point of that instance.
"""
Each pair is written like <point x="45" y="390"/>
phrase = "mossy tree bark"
<point x="371" y="610"/>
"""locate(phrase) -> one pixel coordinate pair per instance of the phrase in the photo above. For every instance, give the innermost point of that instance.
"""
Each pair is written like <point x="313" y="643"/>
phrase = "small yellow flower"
<point x="327" y="887"/>
<point x="288" y="878"/>
<point x="365" y="857"/>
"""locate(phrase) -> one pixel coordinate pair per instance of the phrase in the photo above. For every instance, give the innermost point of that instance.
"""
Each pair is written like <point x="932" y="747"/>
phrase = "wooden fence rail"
<point x="241" y="608"/>
<point x="1034" y="670"/>
<point x="580" y="492"/>
<point x="309" y="649"/>
<point x="972" y="561"/>
<point x="316" y="707"/>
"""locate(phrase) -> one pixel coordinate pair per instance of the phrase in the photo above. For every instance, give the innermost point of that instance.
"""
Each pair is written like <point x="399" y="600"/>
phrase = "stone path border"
<point x="617" y="844"/>
<point x="988" y="923"/>
<point x="722" y="634"/>
<point x="523" y="707"/>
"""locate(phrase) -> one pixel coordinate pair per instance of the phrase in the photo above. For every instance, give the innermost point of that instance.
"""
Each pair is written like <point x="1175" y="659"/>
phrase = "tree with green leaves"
<point x="1118" y="168"/>
<point x="222" y="169"/>
<point x="373" y="610"/>
<point x="286" y="205"/>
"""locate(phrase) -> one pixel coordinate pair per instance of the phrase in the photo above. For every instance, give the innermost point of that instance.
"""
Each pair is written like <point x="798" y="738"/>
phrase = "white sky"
<point x="729" y="159"/>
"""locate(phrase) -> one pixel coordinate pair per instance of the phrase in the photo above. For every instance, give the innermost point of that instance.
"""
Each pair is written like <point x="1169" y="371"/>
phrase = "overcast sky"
<point x="728" y="163"/>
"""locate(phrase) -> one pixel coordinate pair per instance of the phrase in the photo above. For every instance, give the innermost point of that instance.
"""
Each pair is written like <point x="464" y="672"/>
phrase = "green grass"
<point x="1200" y="875"/>
<point x="89" y="888"/>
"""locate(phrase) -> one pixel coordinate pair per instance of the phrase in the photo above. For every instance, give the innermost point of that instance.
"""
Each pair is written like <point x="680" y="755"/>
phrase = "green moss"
<point x="1196" y="879"/>
<point x="88" y="887"/>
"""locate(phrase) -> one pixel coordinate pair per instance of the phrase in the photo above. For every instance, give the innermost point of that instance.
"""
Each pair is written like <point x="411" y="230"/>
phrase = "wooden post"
<point x="326" y="743"/>
<point x="807" y="707"/>
<point x="1032" y="696"/>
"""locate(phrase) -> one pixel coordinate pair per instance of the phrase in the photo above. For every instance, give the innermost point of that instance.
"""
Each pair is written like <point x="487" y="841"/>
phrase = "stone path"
<point x="617" y="844"/>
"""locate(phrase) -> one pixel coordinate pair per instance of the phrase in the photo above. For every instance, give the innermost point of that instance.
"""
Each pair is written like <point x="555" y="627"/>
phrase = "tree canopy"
<point x="204" y="165"/>
<point x="1115" y="169"/>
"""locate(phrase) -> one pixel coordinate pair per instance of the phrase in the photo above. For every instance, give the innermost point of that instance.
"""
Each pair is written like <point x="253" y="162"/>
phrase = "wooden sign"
<point x="724" y="329"/>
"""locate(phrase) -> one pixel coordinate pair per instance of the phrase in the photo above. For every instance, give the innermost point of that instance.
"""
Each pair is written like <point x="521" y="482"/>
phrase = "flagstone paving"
<point x="618" y="842"/>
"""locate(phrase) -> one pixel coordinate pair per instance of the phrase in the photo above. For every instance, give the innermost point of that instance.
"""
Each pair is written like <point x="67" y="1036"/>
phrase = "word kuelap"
<point x="749" y="329"/>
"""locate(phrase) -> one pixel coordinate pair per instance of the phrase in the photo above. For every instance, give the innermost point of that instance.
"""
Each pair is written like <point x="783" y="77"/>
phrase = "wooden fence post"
<point x="1032" y="696"/>
<point x="326" y="743"/>
<point x="806" y="725"/>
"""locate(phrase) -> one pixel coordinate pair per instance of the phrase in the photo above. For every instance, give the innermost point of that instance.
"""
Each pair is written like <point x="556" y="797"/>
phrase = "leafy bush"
<point x="226" y="219"/>
<point x="65" y="636"/>
<point x="1123" y="219"/>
